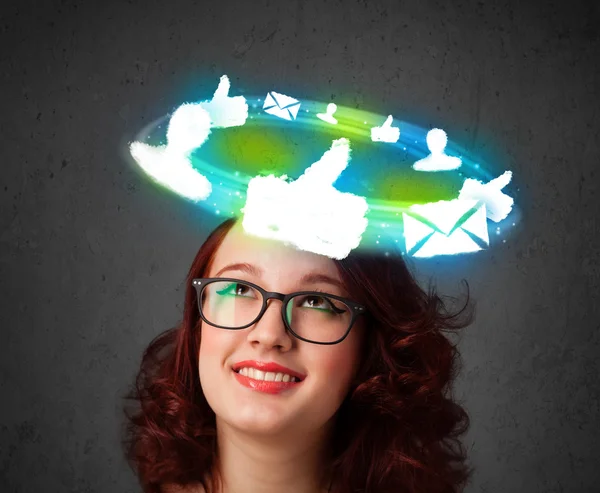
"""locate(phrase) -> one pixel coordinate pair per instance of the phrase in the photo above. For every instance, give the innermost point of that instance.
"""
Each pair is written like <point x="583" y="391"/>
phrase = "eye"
<point x="235" y="289"/>
<point x="315" y="302"/>
<point x="320" y="303"/>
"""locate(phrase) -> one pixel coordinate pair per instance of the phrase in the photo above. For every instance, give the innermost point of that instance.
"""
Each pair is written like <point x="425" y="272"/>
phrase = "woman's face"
<point x="329" y="369"/>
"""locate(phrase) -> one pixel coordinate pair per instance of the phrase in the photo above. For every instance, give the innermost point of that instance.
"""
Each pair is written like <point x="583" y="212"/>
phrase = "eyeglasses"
<point x="311" y="316"/>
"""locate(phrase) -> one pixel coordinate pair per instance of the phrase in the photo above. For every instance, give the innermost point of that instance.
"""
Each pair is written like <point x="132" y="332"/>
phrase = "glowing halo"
<point x="231" y="157"/>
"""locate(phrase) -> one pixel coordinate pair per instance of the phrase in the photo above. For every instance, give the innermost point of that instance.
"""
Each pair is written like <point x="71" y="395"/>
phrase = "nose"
<point x="270" y="328"/>
<point x="273" y="312"/>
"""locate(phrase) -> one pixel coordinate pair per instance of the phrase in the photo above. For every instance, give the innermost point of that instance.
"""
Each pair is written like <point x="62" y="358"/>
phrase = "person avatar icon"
<point x="438" y="160"/>
<point x="328" y="117"/>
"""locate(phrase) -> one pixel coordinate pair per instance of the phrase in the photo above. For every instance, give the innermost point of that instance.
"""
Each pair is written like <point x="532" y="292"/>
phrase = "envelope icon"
<point x="446" y="227"/>
<point x="281" y="105"/>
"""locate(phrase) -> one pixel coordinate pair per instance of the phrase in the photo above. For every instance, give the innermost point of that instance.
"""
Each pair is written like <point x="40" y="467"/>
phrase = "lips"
<point x="266" y="387"/>
<point x="268" y="367"/>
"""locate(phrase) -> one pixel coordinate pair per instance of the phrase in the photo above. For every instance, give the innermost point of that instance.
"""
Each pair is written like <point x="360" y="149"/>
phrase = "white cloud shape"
<point x="309" y="213"/>
<point x="498" y="204"/>
<point x="281" y="106"/>
<point x="446" y="227"/>
<point x="169" y="165"/>
<point x="438" y="160"/>
<point x="386" y="133"/>
<point x="226" y="111"/>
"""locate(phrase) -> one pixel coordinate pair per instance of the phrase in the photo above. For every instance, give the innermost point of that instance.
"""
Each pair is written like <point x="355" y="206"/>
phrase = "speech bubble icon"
<point x="308" y="213"/>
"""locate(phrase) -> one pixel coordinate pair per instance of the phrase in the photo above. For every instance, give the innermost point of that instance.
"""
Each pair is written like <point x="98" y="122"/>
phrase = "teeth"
<point x="268" y="376"/>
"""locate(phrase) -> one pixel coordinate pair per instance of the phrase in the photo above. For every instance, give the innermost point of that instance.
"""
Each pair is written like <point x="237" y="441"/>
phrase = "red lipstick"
<point x="270" y="366"/>
<point x="264" y="386"/>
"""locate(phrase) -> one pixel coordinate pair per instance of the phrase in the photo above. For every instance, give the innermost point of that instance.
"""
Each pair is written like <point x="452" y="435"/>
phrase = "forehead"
<point x="271" y="256"/>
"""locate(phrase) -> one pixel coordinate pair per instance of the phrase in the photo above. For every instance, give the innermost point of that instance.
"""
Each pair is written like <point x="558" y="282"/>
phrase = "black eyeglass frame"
<point x="356" y="308"/>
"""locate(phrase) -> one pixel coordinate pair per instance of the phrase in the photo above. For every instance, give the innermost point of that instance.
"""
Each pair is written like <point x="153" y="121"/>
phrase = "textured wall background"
<point x="93" y="257"/>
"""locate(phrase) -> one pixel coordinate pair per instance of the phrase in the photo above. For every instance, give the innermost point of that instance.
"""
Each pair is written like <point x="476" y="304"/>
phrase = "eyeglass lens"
<point x="314" y="317"/>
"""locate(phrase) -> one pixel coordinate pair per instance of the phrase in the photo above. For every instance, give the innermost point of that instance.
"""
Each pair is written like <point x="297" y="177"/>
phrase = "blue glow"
<point x="328" y="117"/>
<point x="302" y="137"/>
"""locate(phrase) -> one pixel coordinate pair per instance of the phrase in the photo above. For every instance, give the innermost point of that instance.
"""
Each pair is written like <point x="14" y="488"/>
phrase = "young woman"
<point x="357" y="369"/>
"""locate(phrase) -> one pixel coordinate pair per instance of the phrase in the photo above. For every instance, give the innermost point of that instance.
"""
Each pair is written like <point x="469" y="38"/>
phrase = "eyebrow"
<point x="310" y="278"/>
<point x="243" y="267"/>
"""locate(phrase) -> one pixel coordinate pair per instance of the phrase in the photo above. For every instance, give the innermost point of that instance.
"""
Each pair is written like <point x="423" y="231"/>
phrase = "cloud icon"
<point x="498" y="204"/>
<point x="308" y="213"/>
<point x="169" y="165"/>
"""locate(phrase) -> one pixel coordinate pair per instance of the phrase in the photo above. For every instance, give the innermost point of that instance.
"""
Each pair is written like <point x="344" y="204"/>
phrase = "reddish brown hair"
<point x="398" y="428"/>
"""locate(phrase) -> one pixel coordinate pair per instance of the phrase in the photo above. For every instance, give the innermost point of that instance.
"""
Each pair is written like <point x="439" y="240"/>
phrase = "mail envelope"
<point x="331" y="226"/>
<point x="446" y="227"/>
<point x="281" y="105"/>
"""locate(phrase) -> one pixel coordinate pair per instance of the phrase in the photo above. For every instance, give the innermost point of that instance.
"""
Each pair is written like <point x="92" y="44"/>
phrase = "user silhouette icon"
<point x="438" y="160"/>
<point x="328" y="117"/>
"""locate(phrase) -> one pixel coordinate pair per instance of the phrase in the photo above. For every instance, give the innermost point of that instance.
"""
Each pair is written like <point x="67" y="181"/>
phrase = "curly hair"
<point x="398" y="429"/>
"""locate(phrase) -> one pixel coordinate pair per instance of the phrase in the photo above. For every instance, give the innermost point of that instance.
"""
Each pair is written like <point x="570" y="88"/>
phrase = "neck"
<point x="259" y="464"/>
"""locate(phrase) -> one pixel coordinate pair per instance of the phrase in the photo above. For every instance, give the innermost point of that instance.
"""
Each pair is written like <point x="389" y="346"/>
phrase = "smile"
<point x="265" y="386"/>
<point x="268" y="376"/>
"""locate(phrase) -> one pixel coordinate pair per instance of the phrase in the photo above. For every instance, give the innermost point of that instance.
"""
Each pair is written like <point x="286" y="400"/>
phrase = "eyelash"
<point x="318" y="290"/>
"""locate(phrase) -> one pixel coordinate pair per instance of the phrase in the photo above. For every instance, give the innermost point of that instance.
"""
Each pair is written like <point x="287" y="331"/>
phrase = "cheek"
<point x="216" y="346"/>
<point x="339" y="364"/>
<point x="212" y="351"/>
<point x="335" y="362"/>
<point x="208" y="340"/>
<point x="343" y="360"/>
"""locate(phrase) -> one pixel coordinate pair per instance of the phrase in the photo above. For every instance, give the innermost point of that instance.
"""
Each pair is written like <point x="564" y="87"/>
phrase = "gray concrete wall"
<point x="93" y="258"/>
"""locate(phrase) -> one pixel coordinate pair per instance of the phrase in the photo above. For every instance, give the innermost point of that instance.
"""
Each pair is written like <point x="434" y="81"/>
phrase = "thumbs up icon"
<point x="498" y="204"/>
<point x="226" y="111"/>
<point x="189" y="127"/>
<point x="385" y="133"/>
<point x="309" y="212"/>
